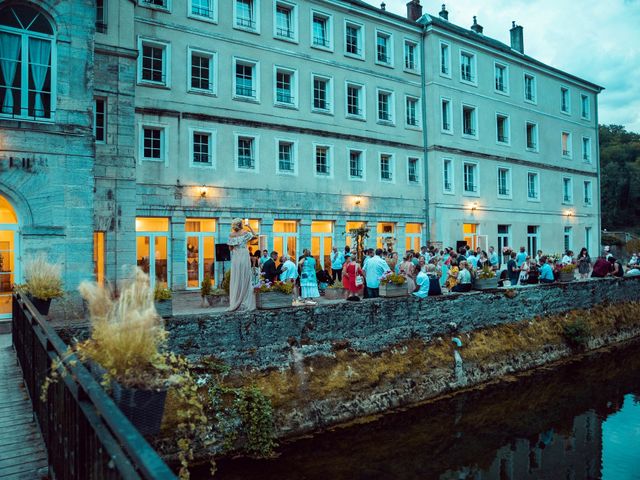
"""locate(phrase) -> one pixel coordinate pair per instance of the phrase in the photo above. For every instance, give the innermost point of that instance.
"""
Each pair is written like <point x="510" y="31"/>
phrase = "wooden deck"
<point x="22" y="450"/>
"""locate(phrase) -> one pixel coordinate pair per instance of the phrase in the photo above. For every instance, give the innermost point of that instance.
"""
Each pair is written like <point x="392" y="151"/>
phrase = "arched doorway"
<point x="8" y="257"/>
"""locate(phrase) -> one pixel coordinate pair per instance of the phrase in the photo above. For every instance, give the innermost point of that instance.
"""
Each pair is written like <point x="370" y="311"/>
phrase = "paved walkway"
<point x="22" y="450"/>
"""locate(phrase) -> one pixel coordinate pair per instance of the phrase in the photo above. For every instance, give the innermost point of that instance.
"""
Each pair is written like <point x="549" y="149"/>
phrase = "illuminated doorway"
<point x="413" y="236"/>
<point x="152" y="241"/>
<point x="285" y="238"/>
<point x="470" y="234"/>
<point x="200" y="251"/>
<point x="322" y="241"/>
<point x="8" y="249"/>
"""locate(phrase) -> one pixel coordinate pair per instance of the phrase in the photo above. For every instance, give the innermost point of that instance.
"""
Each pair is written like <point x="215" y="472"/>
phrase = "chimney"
<point x="383" y="6"/>
<point x="517" y="38"/>
<point x="475" y="27"/>
<point x="414" y="10"/>
<point x="444" y="14"/>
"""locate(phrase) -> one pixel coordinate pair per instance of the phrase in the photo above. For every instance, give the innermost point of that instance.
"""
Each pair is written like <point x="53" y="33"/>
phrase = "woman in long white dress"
<point x="241" y="296"/>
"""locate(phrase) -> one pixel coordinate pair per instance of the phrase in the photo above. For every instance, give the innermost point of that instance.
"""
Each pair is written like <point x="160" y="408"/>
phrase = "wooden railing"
<point x="86" y="435"/>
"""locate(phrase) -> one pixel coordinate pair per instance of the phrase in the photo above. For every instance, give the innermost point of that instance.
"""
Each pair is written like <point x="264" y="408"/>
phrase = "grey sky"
<point x="594" y="39"/>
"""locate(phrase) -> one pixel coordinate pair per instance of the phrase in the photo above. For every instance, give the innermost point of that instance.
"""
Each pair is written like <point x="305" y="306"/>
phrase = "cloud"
<point x="595" y="40"/>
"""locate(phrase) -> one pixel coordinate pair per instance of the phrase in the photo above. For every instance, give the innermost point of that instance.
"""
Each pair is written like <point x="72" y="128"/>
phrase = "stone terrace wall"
<point x="263" y="339"/>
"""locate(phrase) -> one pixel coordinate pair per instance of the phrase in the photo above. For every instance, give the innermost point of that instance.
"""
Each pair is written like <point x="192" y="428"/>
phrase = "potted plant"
<point x="162" y="301"/>
<point x="43" y="282"/>
<point x="393" y="285"/>
<point x="485" y="279"/>
<point x="273" y="295"/>
<point x="205" y="289"/>
<point x="567" y="273"/>
<point x="335" y="291"/>
<point x="218" y="298"/>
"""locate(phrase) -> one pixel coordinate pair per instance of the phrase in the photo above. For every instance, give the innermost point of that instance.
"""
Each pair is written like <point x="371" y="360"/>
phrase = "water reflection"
<point x="580" y="421"/>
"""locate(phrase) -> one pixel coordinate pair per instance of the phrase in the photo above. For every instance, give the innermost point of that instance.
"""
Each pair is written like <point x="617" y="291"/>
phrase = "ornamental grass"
<point x="43" y="278"/>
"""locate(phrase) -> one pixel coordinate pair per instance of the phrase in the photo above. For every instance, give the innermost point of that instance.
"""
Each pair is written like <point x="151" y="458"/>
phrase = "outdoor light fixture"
<point x="357" y="201"/>
<point x="474" y="206"/>
<point x="568" y="213"/>
<point x="203" y="191"/>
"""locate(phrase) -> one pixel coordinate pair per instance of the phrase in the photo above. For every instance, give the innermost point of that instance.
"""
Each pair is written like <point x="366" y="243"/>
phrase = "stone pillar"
<point x="266" y="229"/>
<point x="400" y="235"/>
<point x="304" y="234"/>
<point x="178" y="252"/>
<point x="340" y="237"/>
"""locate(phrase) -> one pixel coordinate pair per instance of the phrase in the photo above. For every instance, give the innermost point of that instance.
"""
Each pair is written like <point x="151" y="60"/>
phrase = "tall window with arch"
<point x="27" y="71"/>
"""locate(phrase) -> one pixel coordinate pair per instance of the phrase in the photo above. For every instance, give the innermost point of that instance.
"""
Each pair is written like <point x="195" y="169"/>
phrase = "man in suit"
<point x="269" y="269"/>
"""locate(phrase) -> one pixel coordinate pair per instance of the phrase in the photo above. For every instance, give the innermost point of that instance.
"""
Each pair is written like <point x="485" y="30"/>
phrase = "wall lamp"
<point x="203" y="191"/>
<point x="357" y="201"/>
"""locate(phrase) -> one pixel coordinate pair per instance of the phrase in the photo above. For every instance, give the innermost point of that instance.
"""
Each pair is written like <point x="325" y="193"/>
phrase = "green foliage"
<point x="226" y="281"/>
<point x="161" y="293"/>
<point x="205" y="286"/>
<point x="576" y="333"/>
<point x="256" y="414"/>
<point x="485" y="273"/>
<point x="620" y="177"/>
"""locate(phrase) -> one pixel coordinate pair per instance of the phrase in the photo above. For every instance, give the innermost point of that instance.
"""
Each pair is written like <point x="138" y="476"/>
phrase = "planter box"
<point x="218" y="300"/>
<point x="164" y="308"/>
<point x="335" y="293"/>
<point x="41" y="305"/>
<point x="393" y="290"/>
<point x="143" y="408"/>
<point x="566" y="277"/>
<point x="485" y="283"/>
<point x="269" y="300"/>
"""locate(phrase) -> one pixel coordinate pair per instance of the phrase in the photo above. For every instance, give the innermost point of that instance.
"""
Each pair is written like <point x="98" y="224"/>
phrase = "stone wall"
<point x="264" y="338"/>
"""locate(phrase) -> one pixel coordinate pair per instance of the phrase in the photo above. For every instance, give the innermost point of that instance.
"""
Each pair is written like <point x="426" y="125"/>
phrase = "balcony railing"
<point x="245" y="91"/>
<point x="321" y="41"/>
<point x="284" y="32"/>
<point x="566" y="153"/>
<point x="284" y="96"/>
<point x="532" y="145"/>
<point x="383" y="57"/>
<point x="246" y="22"/>
<point x="503" y="139"/>
<point x="355" y="111"/>
<point x="469" y="131"/>
<point x="446" y="126"/>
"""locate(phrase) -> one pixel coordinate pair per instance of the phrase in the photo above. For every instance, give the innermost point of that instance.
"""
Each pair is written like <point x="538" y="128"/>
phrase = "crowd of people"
<point x="427" y="272"/>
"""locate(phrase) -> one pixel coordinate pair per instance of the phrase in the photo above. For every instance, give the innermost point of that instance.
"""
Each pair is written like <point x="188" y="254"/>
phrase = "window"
<point x="533" y="239"/>
<point x="246" y="80"/>
<point x="470" y="177"/>
<point x="246" y="156"/>
<point x="202" y="144"/>
<point x="533" y="186"/>
<point x="286" y="157"/>
<point x="410" y="56"/>
<point x="502" y="128"/>
<point x="565" y="100"/>
<point x="384" y="48"/>
<point x="153" y="245"/>
<point x="323" y="160"/>
<point x="412" y="112"/>
<point x="285" y="87"/>
<point x="532" y="136"/>
<point x="285" y="22"/>
<point x="100" y="119"/>
<point x="445" y="59"/>
<point x="413" y="236"/>
<point x="469" y="121"/>
<point x="588" y="194"/>
<point x="567" y="190"/>
<point x="201" y="68"/>
<point x="356" y="167"/>
<point x="501" y="78"/>
<point x="202" y="9"/>
<point x="163" y="4"/>
<point x="246" y="13"/>
<point x="153" y="143"/>
<point x="530" y="93"/>
<point x="321" y="31"/>
<point x="504" y="182"/>
<point x="413" y="170"/>
<point x="587" y="238"/>
<point x="447" y="175"/>
<point x="586" y="149"/>
<point x="101" y="16"/>
<point x="98" y="257"/>
<point x="355" y="100"/>
<point x="285" y="237"/>
<point x="353" y="43"/>
<point x="467" y="67"/>
<point x="585" y="107"/>
<point x="153" y="62"/>
<point x="568" y="238"/>
<point x="386" y="167"/>
<point x="566" y="144"/>
<point x="385" y="106"/>
<point x="321" y="93"/>
<point x="446" y="116"/>
<point x="504" y="240"/>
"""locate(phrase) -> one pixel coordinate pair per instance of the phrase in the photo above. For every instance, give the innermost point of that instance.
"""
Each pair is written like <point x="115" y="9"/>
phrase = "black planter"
<point x="143" y="408"/>
<point x="41" y="305"/>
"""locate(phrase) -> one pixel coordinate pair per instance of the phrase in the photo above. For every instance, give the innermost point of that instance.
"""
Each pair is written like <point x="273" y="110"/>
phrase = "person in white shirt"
<point x="289" y="274"/>
<point x="337" y="261"/>
<point x="567" y="258"/>
<point x="464" y="279"/>
<point x="374" y="268"/>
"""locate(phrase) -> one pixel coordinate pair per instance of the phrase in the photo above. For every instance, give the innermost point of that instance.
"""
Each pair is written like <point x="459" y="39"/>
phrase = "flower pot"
<point x="164" y="308"/>
<point x="41" y="305"/>
<point x="335" y="293"/>
<point x="485" y="283"/>
<point x="143" y="408"/>
<point x="269" y="300"/>
<point x="218" y="300"/>
<point x="566" y="277"/>
<point x="393" y="290"/>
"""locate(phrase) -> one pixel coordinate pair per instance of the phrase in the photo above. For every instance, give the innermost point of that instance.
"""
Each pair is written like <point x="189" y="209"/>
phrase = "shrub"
<point x="576" y="333"/>
<point x="568" y="268"/>
<point x="485" y="273"/>
<point x="205" y="286"/>
<point x="161" y="293"/>
<point x="226" y="281"/>
<point x="282" y="287"/>
<point x="394" y="278"/>
<point x="43" y="279"/>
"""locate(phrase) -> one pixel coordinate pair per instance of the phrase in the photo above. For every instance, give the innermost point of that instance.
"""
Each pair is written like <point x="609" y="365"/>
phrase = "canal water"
<point x="576" y="421"/>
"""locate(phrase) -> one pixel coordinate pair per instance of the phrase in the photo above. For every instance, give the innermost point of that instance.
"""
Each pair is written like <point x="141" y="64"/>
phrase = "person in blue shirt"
<point x="546" y="271"/>
<point x="337" y="261"/>
<point x="375" y="267"/>
<point x="521" y="257"/>
<point x="493" y="259"/>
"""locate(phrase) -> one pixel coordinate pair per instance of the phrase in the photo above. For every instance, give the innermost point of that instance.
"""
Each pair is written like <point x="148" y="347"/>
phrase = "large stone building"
<point x="138" y="130"/>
